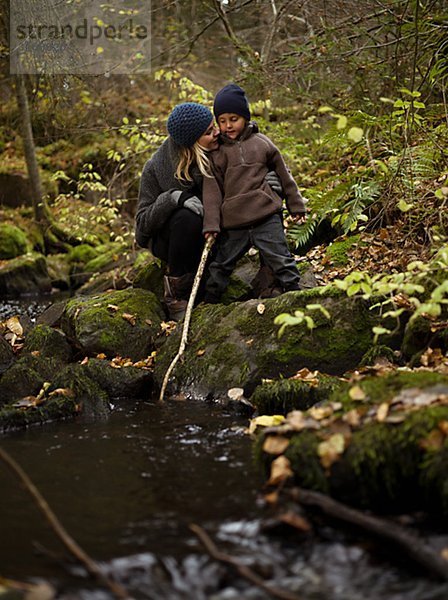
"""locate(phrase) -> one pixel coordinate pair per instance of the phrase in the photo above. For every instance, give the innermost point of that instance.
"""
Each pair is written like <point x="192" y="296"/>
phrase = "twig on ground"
<point x="187" y="318"/>
<point x="413" y="545"/>
<point x="89" y="564"/>
<point x="243" y="570"/>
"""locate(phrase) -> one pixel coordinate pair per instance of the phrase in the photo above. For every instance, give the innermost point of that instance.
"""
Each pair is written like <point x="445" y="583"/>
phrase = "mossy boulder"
<point x="379" y="443"/>
<point x="91" y="398"/>
<point x="48" y="342"/>
<point x="13" y="241"/>
<point x="26" y="377"/>
<point x="24" y="275"/>
<point x="7" y="355"/>
<point x="279" y="397"/>
<point x="72" y="392"/>
<point x="148" y="273"/>
<point x="118" y="381"/>
<point x="238" y="345"/>
<point x="124" y="322"/>
<point x="59" y="271"/>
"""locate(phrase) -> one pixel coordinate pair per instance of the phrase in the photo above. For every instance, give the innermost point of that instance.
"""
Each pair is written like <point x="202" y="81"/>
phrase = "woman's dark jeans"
<point x="180" y="242"/>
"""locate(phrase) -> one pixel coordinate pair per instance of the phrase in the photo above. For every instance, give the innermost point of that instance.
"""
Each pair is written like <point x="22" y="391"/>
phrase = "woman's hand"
<point x="211" y="234"/>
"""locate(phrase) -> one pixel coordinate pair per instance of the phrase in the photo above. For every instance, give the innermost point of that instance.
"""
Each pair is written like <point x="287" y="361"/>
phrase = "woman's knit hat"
<point x="187" y="122"/>
<point x="231" y="99"/>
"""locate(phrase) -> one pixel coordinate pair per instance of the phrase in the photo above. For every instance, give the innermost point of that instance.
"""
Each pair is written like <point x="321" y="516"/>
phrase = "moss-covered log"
<point x="380" y="443"/>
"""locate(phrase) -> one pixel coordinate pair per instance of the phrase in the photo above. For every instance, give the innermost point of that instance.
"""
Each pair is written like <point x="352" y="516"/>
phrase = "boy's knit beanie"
<point x="187" y="122"/>
<point x="232" y="99"/>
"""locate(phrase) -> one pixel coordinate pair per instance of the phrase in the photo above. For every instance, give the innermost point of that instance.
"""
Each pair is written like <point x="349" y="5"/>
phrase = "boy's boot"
<point x="176" y="294"/>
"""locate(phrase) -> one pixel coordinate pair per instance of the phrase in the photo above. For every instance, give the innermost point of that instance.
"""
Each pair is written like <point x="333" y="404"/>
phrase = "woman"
<point x="169" y="212"/>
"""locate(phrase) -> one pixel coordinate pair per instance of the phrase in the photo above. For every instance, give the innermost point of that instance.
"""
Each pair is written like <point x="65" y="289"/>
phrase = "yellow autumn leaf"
<point x="357" y="393"/>
<point x="13" y="324"/>
<point x="275" y="444"/>
<point x="321" y="412"/>
<point x="265" y="421"/>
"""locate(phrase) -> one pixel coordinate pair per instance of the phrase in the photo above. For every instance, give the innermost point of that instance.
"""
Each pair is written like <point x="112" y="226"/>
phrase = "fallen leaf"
<point x="296" y="420"/>
<point x="271" y="498"/>
<point x="200" y="352"/>
<point x="433" y="441"/>
<point x="357" y="393"/>
<point x="13" y="324"/>
<point x="235" y="393"/>
<point x="85" y="360"/>
<point x="382" y="412"/>
<point x="275" y="444"/>
<point x="112" y="307"/>
<point x="265" y="421"/>
<point x="101" y="356"/>
<point x="261" y="308"/>
<point x="280" y="470"/>
<point x="330" y="450"/>
<point x="294" y="520"/>
<point x="352" y="417"/>
<point x="320" y="413"/>
<point x="132" y="319"/>
<point x="67" y="392"/>
<point x="443" y="426"/>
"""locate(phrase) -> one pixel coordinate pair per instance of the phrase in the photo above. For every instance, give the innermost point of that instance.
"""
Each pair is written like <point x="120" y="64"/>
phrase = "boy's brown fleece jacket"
<point x="237" y="194"/>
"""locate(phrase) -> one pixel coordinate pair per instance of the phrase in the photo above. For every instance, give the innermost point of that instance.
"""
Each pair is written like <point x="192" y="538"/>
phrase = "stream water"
<point x="127" y="490"/>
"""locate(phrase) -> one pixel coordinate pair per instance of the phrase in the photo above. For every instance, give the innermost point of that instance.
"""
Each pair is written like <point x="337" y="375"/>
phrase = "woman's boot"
<point x="176" y="294"/>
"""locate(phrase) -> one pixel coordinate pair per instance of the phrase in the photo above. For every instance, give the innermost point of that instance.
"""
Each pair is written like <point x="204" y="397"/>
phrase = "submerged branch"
<point x="90" y="565"/>
<point x="243" y="570"/>
<point x="413" y="545"/>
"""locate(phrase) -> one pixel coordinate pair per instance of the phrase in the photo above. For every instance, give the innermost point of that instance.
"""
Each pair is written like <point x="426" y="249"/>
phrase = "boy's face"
<point x="231" y="125"/>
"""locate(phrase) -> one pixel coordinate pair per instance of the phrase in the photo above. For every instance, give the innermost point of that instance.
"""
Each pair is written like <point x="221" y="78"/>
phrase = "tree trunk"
<point x="39" y="206"/>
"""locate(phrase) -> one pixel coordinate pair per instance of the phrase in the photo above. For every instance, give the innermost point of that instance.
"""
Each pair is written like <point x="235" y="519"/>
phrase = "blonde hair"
<point x="189" y="156"/>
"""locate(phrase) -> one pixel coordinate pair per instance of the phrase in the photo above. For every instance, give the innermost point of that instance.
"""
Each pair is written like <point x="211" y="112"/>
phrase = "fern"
<point x="300" y="235"/>
<point x="353" y="211"/>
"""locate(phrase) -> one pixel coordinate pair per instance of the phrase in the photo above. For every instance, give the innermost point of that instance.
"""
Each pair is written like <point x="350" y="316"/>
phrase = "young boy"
<point x="239" y="203"/>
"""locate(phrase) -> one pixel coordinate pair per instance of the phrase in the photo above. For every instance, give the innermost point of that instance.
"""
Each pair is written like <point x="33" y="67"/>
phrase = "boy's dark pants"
<point x="269" y="238"/>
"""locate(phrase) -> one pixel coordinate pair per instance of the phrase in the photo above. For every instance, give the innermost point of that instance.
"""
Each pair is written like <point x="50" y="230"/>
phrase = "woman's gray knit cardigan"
<point x="155" y="202"/>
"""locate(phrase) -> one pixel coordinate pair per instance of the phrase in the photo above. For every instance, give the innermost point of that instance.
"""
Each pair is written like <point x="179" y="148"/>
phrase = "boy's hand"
<point x="298" y="219"/>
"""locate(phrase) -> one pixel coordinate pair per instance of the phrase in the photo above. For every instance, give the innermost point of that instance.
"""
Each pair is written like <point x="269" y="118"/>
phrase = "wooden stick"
<point x="413" y="545"/>
<point x="186" y="324"/>
<point x="67" y="540"/>
<point x="243" y="570"/>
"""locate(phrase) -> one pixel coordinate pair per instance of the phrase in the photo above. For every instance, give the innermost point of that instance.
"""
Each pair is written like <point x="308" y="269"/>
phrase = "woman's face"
<point x="209" y="139"/>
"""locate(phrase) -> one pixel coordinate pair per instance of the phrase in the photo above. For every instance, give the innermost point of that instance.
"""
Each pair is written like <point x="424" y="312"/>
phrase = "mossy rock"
<point x="72" y="393"/>
<point x="56" y="408"/>
<point x="13" y="241"/>
<point x="91" y="398"/>
<point x="124" y="323"/>
<point x="25" y="275"/>
<point x="148" y="273"/>
<point x="48" y="343"/>
<point x="108" y="256"/>
<point x="419" y="335"/>
<point x="238" y="345"/>
<point x="7" y="356"/>
<point x="120" y="382"/>
<point x="338" y="251"/>
<point x="59" y="271"/>
<point x="388" y="438"/>
<point x="281" y="396"/>
<point x="26" y="377"/>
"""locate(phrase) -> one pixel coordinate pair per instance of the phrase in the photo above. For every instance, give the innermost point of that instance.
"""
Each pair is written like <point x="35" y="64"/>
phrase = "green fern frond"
<point x="300" y="235"/>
